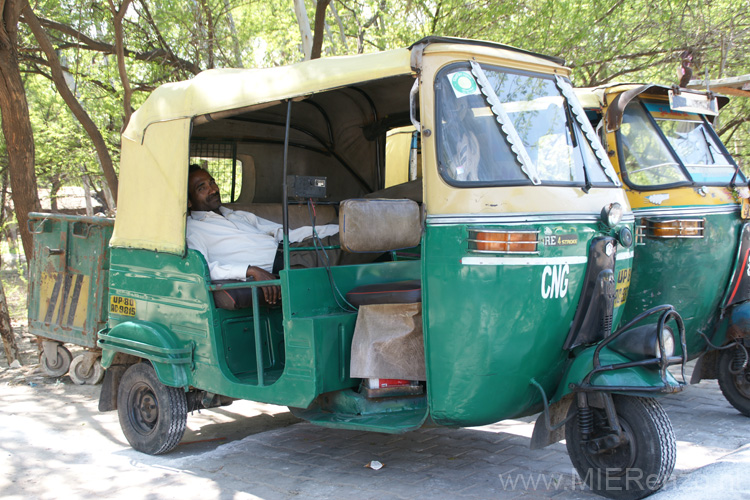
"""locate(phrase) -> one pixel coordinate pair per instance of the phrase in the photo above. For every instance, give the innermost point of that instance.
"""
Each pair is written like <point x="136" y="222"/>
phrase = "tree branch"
<point x="89" y="44"/>
<point x="127" y="92"/>
<point x="88" y="125"/>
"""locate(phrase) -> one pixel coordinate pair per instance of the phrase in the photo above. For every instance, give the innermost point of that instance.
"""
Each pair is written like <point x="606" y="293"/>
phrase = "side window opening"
<point x="220" y="160"/>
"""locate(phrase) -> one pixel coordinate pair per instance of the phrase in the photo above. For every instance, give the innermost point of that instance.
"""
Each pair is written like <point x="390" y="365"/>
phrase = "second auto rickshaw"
<point x="690" y="200"/>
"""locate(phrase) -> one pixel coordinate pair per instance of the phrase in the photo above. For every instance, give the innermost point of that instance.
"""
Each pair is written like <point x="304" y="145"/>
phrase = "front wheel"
<point x="152" y="415"/>
<point x="734" y="380"/>
<point x="640" y="464"/>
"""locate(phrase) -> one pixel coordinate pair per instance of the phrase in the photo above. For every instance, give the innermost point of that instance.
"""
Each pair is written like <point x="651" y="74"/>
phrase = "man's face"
<point x="203" y="193"/>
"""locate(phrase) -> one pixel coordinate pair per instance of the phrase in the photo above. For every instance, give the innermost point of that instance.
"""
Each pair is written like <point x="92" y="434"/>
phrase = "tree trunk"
<point x="320" y="21"/>
<point x="6" y="330"/>
<point x="304" y="27"/>
<point x="16" y="125"/>
<point x="53" y="190"/>
<point x="87" y="192"/>
<point x="89" y="126"/>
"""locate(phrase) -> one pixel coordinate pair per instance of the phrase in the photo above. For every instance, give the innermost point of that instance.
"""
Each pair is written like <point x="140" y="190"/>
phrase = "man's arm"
<point x="272" y="293"/>
<point x="304" y="232"/>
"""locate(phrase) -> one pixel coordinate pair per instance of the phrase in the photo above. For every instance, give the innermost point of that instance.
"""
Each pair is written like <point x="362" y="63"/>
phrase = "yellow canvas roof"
<point x="217" y="90"/>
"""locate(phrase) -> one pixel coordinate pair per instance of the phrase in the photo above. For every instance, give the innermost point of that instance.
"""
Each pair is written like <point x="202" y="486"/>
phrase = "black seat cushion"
<point x="398" y="292"/>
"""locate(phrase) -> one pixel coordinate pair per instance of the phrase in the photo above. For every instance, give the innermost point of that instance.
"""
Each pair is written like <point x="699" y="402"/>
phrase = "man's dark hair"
<point x="193" y="167"/>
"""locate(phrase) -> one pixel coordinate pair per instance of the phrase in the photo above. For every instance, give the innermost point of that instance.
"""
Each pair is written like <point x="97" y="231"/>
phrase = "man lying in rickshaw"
<point x="239" y="245"/>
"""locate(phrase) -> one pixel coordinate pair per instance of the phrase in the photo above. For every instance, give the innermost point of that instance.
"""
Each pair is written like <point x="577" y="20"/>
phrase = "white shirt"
<point x="235" y="240"/>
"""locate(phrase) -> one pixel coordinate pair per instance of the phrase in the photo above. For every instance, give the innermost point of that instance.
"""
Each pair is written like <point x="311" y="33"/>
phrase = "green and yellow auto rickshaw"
<point x="690" y="202"/>
<point x="484" y="285"/>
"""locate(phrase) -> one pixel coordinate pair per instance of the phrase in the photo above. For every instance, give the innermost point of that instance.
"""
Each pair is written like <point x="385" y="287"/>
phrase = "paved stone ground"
<point x="54" y="444"/>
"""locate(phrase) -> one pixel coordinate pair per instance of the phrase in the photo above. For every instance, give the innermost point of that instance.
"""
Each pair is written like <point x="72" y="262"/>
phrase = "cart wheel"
<point x="78" y="374"/>
<point x="634" y="469"/>
<point x="734" y="381"/>
<point x="60" y="365"/>
<point x="152" y="415"/>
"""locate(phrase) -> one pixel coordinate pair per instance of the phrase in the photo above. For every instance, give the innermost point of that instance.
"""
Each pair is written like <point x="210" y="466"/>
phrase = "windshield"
<point x="648" y="161"/>
<point x="693" y="141"/>
<point x="529" y="137"/>
<point x="655" y="151"/>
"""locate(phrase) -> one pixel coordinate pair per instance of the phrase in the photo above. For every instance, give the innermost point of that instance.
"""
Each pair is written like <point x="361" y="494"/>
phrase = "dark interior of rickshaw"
<point x="337" y="134"/>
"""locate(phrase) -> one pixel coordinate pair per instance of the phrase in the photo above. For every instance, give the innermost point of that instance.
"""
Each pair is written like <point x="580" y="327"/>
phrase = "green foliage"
<point x="604" y="41"/>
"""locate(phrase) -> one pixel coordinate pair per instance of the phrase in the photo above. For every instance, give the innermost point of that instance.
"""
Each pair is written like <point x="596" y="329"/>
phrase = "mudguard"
<point x="632" y="377"/>
<point x="734" y="325"/>
<point x="171" y="359"/>
<point x="739" y="286"/>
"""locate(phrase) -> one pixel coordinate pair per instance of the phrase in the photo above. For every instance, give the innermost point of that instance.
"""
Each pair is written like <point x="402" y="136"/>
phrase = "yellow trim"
<point x="681" y="197"/>
<point x="442" y="198"/>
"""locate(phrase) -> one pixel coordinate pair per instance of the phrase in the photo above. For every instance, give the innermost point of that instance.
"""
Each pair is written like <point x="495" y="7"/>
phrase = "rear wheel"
<point x="152" y="415"/>
<point x="734" y="380"/>
<point x="58" y="366"/>
<point x="640" y="464"/>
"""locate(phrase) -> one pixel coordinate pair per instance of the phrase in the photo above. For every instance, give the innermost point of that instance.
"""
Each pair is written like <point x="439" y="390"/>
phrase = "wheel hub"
<point x="145" y="409"/>
<point x="610" y="451"/>
<point x="742" y="381"/>
<point x="55" y="363"/>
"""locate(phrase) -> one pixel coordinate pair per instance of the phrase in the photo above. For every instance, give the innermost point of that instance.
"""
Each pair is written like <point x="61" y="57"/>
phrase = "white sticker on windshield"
<point x="463" y="84"/>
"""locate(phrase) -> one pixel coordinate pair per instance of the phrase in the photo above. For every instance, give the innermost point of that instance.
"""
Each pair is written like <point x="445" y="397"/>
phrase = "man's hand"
<point x="272" y="294"/>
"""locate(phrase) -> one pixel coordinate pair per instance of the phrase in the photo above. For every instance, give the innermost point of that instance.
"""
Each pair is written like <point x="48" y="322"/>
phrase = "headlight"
<point x="642" y="343"/>
<point x="612" y="214"/>
<point x="668" y="340"/>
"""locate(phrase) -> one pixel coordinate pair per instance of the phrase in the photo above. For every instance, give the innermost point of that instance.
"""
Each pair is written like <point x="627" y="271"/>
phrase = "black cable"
<point x="322" y="255"/>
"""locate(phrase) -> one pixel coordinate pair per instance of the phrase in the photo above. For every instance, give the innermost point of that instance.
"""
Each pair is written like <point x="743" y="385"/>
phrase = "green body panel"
<point x="304" y="346"/>
<point x="351" y="410"/>
<point x="691" y="274"/>
<point x="488" y="329"/>
<point x="68" y="277"/>
<point x="583" y="363"/>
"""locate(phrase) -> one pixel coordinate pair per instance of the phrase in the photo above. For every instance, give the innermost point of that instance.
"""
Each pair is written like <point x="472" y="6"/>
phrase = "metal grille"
<point x="219" y="159"/>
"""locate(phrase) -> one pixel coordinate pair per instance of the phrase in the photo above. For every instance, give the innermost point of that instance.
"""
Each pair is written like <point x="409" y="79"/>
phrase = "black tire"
<point x="59" y="366"/>
<point x="634" y="469"/>
<point x="152" y="415"/>
<point x="735" y="387"/>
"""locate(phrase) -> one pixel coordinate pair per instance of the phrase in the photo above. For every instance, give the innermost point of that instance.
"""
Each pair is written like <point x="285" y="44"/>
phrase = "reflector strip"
<point x="522" y="261"/>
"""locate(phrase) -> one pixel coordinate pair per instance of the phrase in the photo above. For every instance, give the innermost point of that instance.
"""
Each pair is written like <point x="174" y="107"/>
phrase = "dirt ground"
<point x="61" y="392"/>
